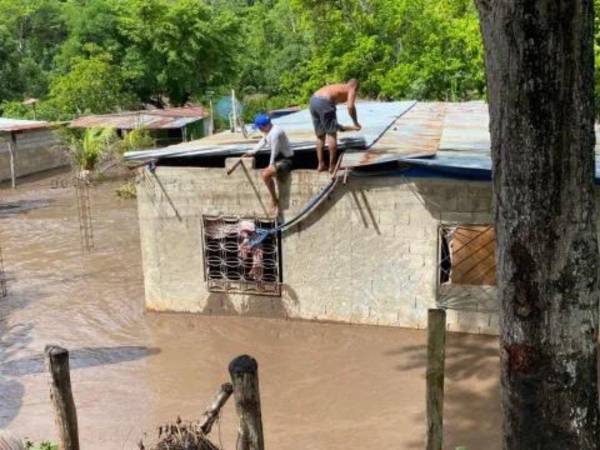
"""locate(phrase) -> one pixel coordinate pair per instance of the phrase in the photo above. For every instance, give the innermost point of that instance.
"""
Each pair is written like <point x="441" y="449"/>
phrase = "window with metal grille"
<point x="233" y="264"/>
<point x="468" y="255"/>
<point x="467" y="266"/>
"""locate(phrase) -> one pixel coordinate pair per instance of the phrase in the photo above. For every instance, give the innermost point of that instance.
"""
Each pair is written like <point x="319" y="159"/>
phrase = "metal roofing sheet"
<point x="375" y="118"/>
<point x="155" y="119"/>
<point x="450" y="164"/>
<point x="449" y="138"/>
<point x="176" y="151"/>
<point x="466" y="127"/>
<point x="14" y="125"/>
<point x="186" y="111"/>
<point x="415" y="133"/>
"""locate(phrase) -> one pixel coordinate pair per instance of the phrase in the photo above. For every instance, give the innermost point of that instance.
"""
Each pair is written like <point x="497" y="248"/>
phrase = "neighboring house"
<point x="167" y="126"/>
<point x="28" y="147"/>
<point x="410" y="228"/>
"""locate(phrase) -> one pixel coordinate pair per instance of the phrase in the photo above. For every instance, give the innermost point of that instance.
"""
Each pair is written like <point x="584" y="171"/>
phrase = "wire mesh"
<point x="84" y="209"/>
<point x="232" y="265"/>
<point x="467" y="268"/>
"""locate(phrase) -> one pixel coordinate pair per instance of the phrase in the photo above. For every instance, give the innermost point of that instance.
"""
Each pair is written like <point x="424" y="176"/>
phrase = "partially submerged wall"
<point x="37" y="151"/>
<point x="368" y="255"/>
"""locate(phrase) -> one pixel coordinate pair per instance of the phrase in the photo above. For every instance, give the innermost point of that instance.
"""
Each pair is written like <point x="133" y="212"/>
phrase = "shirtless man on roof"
<point x="324" y="117"/>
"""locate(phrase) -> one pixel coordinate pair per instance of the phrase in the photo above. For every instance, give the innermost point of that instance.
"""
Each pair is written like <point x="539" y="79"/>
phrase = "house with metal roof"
<point x="28" y="147"/>
<point x="404" y="226"/>
<point x="167" y="126"/>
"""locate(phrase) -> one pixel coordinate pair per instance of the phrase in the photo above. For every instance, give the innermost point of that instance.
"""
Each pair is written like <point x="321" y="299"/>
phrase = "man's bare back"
<point x="339" y="93"/>
<point x="322" y="107"/>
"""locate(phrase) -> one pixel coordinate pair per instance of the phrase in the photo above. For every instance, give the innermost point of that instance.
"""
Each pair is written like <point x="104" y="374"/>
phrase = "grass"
<point x="46" y="445"/>
<point x="126" y="191"/>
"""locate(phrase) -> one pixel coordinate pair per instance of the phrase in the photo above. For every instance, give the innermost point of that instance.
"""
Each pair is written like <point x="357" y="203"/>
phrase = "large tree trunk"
<point x="540" y="66"/>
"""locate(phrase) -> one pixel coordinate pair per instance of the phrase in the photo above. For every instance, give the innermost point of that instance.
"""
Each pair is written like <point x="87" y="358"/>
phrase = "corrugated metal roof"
<point x="184" y="111"/>
<point x="15" y="125"/>
<point x="153" y="119"/>
<point x="465" y="147"/>
<point x="375" y="118"/>
<point x="415" y="133"/>
<point x="284" y="111"/>
<point x="450" y="139"/>
<point x="466" y="128"/>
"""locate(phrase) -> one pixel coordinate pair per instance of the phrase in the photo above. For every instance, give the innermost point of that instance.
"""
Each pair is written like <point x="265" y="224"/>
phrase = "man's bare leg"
<point x="267" y="176"/>
<point x="332" y="145"/>
<point x="320" y="145"/>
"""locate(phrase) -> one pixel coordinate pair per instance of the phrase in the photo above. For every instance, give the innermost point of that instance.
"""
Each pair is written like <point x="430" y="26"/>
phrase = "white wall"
<point x="368" y="255"/>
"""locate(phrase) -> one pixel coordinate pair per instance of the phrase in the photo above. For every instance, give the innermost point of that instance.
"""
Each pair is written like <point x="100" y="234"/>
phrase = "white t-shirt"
<point x="277" y="140"/>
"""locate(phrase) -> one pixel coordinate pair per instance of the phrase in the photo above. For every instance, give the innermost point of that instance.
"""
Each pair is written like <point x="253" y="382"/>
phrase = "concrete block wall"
<point x="368" y="255"/>
<point x="37" y="151"/>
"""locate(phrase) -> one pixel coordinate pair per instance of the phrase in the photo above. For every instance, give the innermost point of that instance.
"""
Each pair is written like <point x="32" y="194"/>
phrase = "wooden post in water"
<point x="244" y="378"/>
<point x="57" y="359"/>
<point x="12" y="150"/>
<point x="436" y="343"/>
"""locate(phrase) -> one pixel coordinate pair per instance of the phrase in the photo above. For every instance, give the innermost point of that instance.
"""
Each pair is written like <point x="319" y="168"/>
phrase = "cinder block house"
<point x="406" y="226"/>
<point x="28" y="147"/>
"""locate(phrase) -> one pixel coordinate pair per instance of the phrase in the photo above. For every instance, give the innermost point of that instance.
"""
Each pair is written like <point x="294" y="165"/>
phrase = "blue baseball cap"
<point x="262" y="120"/>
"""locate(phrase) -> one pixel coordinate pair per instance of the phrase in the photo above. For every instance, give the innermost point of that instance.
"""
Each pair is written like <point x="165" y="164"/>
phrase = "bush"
<point x="95" y="144"/>
<point x="137" y="139"/>
<point x="46" y="445"/>
<point x="262" y="103"/>
<point x="126" y="191"/>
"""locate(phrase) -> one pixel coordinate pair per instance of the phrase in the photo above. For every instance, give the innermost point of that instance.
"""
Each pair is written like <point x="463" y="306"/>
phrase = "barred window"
<point x="468" y="255"/>
<point x="467" y="267"/>
<point x="232" y="264"/>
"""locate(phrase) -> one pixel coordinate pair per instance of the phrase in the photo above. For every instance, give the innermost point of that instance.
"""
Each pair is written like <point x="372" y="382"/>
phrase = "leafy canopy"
<point x="95" y="56"/>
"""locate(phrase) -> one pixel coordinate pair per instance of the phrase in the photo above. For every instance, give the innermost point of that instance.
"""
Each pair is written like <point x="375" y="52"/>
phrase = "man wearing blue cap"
<point x="280" y="161"/>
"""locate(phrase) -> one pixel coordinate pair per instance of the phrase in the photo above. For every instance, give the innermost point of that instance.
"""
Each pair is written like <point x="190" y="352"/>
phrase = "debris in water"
<point x="180" y="436"/>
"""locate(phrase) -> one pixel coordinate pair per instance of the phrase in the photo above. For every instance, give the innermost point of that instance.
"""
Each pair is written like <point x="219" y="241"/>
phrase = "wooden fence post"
<point x="12" y="150"/>
<point x="436" y="343"/>
<point x="57" y="359"/>
<point x="244" y="378"/>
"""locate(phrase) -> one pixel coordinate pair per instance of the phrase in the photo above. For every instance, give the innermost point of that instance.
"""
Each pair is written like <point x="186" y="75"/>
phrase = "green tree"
<point x="93" y="85"/>
<point x="176" y="49"/>
<point x="10" y="82"/>
<point x="34" y="30"/>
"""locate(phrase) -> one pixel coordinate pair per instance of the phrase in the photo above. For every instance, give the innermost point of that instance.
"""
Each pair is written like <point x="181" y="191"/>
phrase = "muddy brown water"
<point x="323" y="386"/>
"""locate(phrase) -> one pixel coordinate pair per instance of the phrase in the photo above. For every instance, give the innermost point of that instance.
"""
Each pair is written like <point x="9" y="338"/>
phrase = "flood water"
<point x="323" y="386"/>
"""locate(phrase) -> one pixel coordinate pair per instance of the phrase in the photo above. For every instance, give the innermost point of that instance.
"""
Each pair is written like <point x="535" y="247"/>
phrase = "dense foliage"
<point x="95" y="56"/>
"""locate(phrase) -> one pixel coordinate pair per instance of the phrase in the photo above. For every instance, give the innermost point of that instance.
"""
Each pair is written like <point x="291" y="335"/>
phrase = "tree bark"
<point x="540" y="77"/>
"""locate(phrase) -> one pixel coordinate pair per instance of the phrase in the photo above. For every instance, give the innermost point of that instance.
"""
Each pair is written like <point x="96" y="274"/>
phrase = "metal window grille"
<point x="231" y="265"/>
<point x="467" y="267"/>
